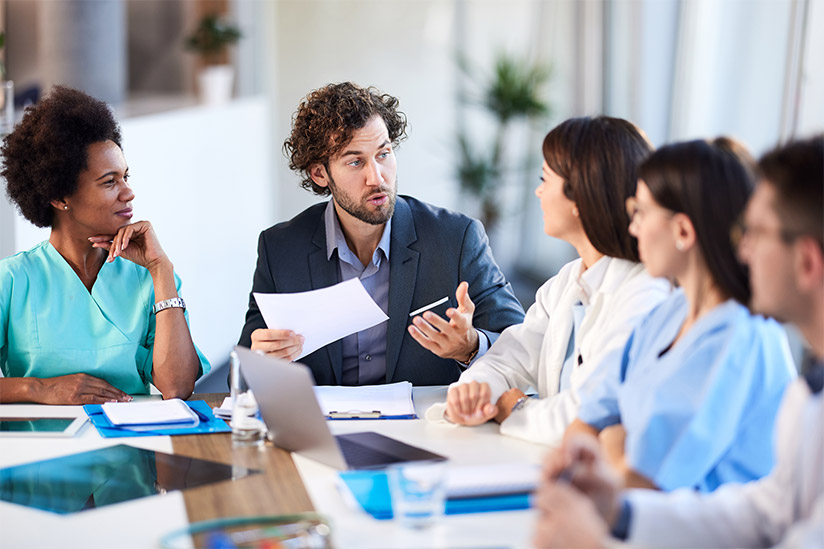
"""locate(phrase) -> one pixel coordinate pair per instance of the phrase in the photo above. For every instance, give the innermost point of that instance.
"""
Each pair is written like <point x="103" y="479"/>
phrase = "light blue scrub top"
<point x="50" y="325"/>
<point x="703" y="413"/>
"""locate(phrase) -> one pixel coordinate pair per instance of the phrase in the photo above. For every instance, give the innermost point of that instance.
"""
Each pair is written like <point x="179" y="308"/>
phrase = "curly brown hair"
<point x="46" y="152"/>
<point x="327" y="118"/>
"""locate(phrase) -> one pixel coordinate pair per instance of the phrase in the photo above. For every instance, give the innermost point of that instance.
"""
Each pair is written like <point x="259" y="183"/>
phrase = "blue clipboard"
<point x="346" y="416"/>
<point x="107" y="430"/>
<point x="371" y="491"/>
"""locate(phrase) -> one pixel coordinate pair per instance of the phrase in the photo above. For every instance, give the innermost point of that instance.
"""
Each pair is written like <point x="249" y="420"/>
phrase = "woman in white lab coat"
<point x="584" y="313"/>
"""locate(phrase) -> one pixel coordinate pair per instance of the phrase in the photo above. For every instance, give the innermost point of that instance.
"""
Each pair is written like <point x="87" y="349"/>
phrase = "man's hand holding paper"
<point x="301" y="323"/>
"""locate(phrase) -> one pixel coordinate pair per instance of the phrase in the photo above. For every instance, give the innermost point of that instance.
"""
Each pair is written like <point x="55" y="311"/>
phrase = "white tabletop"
<point x="482" y="445"/>
<point x="142" y="522"/>
<point x="137" y="523"/>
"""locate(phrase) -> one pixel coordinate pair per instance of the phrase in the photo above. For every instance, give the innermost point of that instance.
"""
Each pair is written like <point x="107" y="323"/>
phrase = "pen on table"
<point x="430" y="306"/>
<point x="200" y="415"/>
<point x="567" y="474"/>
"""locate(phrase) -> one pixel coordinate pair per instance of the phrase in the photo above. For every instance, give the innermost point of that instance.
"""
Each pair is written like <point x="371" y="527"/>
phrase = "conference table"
<point x="287" y="484"/>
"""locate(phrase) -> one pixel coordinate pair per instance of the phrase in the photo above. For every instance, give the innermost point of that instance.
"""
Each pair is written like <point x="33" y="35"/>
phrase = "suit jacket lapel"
<point x="403" y="271"/>
<point x="324" y="273"/>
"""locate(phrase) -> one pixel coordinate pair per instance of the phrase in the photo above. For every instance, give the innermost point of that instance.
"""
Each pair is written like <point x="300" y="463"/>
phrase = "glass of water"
<point x="247" y="427"/>
<point x="418" y="491"/>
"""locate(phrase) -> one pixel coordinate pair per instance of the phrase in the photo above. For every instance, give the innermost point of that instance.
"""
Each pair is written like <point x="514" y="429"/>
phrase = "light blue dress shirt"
<point x="364" y="352"/>
<point x="701" y="413"/>
<point x="587" y="283"/>
<point x="51" y="325"/>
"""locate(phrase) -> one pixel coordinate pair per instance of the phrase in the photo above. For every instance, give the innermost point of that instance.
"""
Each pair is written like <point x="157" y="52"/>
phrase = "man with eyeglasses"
<point x="782" y="241"/>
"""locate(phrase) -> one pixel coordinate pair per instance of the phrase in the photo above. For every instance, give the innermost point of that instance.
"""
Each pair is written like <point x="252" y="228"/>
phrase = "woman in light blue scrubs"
<point x="693" y="401"/>
<point x="94" y="313"/>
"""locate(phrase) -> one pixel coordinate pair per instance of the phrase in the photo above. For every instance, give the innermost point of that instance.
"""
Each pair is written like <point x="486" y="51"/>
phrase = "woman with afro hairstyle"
<point x="93" y="314"/>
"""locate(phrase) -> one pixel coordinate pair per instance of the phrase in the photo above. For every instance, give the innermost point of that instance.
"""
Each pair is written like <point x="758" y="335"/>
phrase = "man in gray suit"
<point x="406" y="253"/>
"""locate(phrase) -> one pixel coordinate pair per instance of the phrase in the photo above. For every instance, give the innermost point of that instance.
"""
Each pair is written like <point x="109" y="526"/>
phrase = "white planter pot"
<point x="215" y="84"/>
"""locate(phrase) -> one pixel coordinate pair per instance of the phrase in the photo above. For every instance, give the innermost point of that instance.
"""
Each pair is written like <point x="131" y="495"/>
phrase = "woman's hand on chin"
<point x="136" y="242"/>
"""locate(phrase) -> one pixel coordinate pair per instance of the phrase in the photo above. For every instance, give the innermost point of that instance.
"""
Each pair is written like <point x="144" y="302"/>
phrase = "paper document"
<point x="464" y="481"/>
<point x="151" y="412"/>
<point x="321" y="316"/>
<point x="394" y="399"/>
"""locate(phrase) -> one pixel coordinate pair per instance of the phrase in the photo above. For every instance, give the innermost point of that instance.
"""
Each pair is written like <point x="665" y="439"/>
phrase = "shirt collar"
<point x="590" y="280"/>
<point x="815" y="376"/>
<point x="335" y="238"/>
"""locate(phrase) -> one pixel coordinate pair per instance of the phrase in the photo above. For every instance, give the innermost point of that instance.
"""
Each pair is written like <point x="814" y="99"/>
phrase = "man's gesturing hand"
<point x="457" y="338"/>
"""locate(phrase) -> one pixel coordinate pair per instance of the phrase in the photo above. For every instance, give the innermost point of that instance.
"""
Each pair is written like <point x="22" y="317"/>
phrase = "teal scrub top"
<point x="50" y="325"/>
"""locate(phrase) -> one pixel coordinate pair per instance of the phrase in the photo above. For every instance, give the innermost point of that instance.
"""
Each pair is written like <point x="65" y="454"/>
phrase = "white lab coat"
<point x="785" y="508"/>
<point x="532" y="354"/>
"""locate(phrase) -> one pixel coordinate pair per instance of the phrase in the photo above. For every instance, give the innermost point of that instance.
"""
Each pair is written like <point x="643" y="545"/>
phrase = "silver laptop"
<point x="291" y="412"/>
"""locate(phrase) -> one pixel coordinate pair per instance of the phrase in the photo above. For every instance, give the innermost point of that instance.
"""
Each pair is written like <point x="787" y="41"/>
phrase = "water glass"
<point x="418" y="491"/>
<point x="247" y="427"/>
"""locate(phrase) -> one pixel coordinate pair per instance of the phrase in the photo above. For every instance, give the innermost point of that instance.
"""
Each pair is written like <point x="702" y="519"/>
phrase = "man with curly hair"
<point x="406" y="253"/>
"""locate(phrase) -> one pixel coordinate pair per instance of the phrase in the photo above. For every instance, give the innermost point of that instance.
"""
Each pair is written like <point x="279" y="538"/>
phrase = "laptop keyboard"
<point x="360" y="455"/>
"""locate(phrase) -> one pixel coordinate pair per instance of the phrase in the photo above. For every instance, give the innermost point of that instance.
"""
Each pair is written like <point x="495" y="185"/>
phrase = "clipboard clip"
<point x="355" y="414"/>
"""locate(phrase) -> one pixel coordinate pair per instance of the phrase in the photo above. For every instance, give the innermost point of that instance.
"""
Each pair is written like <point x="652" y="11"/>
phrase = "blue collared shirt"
<point x="364" y="352"/>
<point x="588" y="283"/>
<point x="701" y="413"/>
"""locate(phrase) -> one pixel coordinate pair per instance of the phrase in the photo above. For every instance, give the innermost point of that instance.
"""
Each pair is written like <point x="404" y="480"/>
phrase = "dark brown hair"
<point x="327" y="118"/>
<point x="46" y="152"/>
<point x="598" y="159"/>
<point x="796" y="170"/>
<point x="710" y="182"/>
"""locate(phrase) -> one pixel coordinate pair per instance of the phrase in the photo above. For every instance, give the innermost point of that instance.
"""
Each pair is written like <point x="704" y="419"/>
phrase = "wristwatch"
<point x="173" y="303"/>
<point x="519" y="403"/>
<point x="472" y="356"/>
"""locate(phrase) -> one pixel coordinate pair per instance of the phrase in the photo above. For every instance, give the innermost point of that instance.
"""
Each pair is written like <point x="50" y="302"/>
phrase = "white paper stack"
<point x="149" y="413"/>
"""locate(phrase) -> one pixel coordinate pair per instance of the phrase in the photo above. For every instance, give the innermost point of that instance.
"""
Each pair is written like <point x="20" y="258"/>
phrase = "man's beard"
<point x="360" y="210"/>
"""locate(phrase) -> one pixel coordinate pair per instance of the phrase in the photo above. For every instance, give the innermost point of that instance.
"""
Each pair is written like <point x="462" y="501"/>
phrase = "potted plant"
<point x="211" y="40"/>
<point x="513" y="92"/>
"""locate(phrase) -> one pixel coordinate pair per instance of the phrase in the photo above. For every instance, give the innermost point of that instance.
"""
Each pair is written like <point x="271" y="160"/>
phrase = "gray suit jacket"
<point x="432" y="250"/>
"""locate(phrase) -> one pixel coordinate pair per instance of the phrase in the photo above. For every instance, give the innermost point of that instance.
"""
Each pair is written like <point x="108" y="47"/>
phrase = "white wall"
<point x="403" y="48"/>
<point x="202" y="177"/>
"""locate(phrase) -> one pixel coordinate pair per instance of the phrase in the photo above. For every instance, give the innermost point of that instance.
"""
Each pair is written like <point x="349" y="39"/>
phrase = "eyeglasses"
<point x="636" y="211"/>
<point x="741" y="231"/>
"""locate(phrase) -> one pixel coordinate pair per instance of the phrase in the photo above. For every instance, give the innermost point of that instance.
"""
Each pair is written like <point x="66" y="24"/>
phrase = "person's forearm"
<point x="579" y="427"/>
<point x="634" y="479"/>
<point x="175" y="362"/>
<point x="17" y="389"/>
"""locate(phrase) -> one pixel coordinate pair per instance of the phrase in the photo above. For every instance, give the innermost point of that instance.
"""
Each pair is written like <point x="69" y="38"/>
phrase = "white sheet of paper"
<point x="394" y="399"/>
<point x="321" y="316"/>
<point x="150" y="412"/>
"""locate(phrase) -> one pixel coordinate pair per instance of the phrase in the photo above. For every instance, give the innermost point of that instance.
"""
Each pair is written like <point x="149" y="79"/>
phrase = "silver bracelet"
<point x="173" y="303"/>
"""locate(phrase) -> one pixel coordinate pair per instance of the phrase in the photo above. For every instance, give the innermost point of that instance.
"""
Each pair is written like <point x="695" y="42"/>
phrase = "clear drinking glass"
<point x="418" y="491"/>
<point x="247" y="427"/>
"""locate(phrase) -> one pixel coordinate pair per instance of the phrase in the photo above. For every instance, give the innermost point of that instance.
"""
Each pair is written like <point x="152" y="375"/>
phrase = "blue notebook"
<point x="107" y="430"/>
<point x="371" y="490"/>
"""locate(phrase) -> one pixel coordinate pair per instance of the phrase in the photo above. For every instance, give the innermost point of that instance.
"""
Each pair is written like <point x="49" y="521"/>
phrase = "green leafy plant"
<point x="211" y="38"/>
<point x="513" y="91"/>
